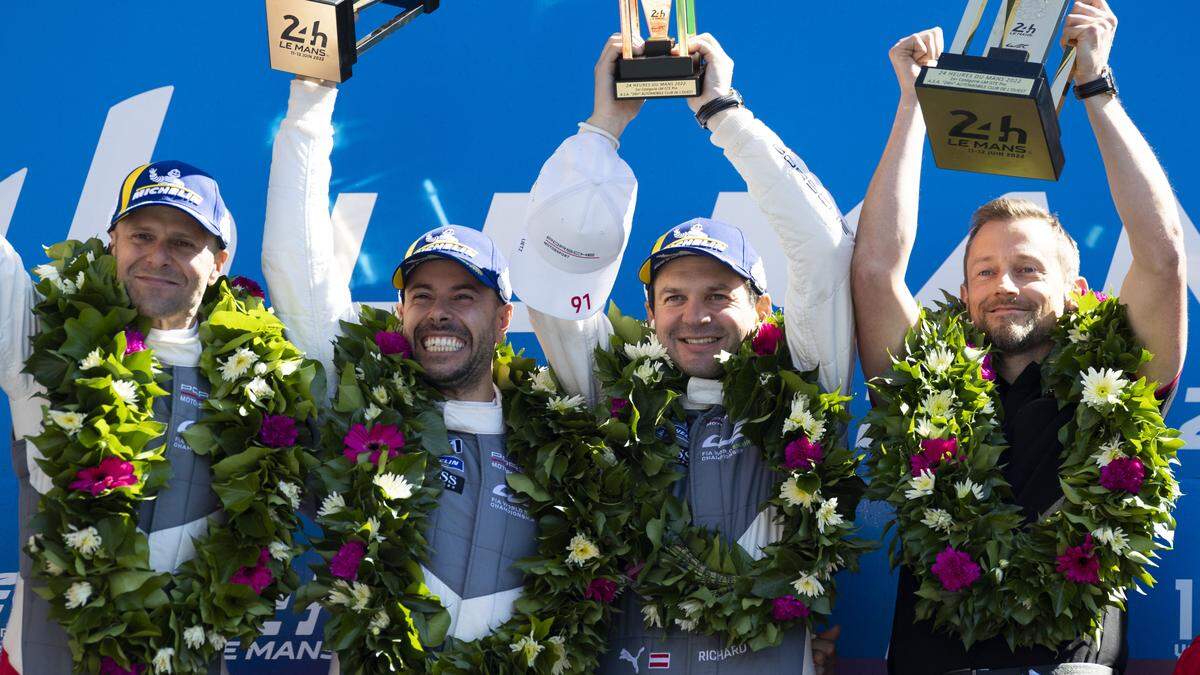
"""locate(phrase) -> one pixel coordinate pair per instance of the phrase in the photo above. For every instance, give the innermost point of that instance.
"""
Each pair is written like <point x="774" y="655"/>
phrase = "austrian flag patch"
<point x="660" y="660"/>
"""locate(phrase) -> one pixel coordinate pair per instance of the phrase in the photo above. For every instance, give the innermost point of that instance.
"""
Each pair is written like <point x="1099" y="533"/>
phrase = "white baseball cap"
<point x="576" y="230"/>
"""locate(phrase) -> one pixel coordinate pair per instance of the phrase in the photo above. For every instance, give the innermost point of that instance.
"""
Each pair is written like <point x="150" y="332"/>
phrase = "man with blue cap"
<point x="455" y="309"/>
<point x="706" y="291"/>
<point x="169" y="234"/>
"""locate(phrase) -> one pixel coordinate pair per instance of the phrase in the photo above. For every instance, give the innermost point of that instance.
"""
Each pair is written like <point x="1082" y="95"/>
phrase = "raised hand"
<point x="914" y="52"/>
<point x="1090" y="28"/>
<point x="607" y="112"/>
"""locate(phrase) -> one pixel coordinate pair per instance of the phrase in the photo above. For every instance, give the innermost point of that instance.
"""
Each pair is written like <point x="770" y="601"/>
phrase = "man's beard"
<point x="1018" y="337"/>
<point x="477" y="366"/>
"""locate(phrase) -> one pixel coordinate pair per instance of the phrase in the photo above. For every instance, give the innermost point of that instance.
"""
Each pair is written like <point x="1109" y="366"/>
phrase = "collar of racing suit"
<point x="473" y="417"/>
<point x="180" y="347"/>
<point x="703" y="393"/>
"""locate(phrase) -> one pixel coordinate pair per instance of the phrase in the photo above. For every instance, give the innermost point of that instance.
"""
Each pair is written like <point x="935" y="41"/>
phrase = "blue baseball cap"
<point x="472" y="249"/>
<point x="704" y="236"/>
<point x="182" y="186"/>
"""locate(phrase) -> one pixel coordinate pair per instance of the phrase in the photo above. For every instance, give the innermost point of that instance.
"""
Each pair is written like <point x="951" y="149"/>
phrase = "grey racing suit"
<point x="726" y="481"/>
<point x="479" y="529"/>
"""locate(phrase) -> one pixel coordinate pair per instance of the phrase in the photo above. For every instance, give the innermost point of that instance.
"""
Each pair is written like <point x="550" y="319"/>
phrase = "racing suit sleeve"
<point x="570" y="345"/>
<point x="814" y="235"/>
<point x="17" y="327"/>
<point x="309" y="292"/>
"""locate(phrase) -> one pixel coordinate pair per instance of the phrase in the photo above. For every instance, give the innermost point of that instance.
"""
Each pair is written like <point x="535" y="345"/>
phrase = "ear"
<point x="220" y="259"/>
<point x="649" y="312"/>
<point x="398" y="309"/>
<point x="962" y="294"/>
<point x="504" y="315"/>
<point x="763" y="308"/>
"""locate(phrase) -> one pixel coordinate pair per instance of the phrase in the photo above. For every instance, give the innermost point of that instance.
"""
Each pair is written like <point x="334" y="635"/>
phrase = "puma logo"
<point x="633" y="660"/>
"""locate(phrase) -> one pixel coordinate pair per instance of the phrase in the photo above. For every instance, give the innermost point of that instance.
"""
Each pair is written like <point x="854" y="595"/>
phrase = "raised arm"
<point x="309" y="292"/>
<point x="18" y="324"/>
<point x="1155" y="289"/>
<point x="807" y="220"/>
<point x="887" y="225"/>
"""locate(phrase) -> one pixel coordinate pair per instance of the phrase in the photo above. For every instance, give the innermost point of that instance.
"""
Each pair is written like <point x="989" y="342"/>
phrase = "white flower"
<point x="280" y="551"/>
<point x="47" y="271"/>
<point x="800" y="417"/>
<point x="217" y="641"/>
<point x="356" y="597"/>
<point x="78" y="594"/>
<point x="53" y="569"/>
<point x="543" y="381"/>
<point x="260" y="368"/>
<point x="394" y="487"/>
<point x="194" y="637"/>
<point x="126" y="391"/>
<point x="331" y="504"/>
<point x="650" y="616"/>
<point x="1102" y="388"/>
<point x="70" y="422"/>
<point x="808" y="585"/>
<point x="259" y="390"/>
<point x="922" y="486"/>
<point x="565" y="404"/>
<point x="528" y="647"/>
<point x="286" y="368"/>
<point x="790" y="492"/>
<point x="649" y="372"/>
<point x="691" y="608"/>
<point x="372" y="526"/>
<point x="651" y="349"/>
<point x="581" y="549"/>
<point x="561" y="662"/>
<point x="162" y="660"/>
<point x="379" y="393"/>
<point x="939" y="361"/>
<point x="1113" y="537"/>
<point x="371" y="412"/>
<point x="1108" y="452"/>
<point x="686" y="625"/>
<point x="927" y="429"/>
<point x="92" y="360"/>
<point x="34" y="543"/>
<point x="968" y="487"/>
<point x="939" y="404"/>
<point x="402" y="389"/>
<point x="827" y="515"/>
<point x="937" y="519"/>
<point x="237" y="364"/>
<point x="723" y="356"/>
<point x="87" y="541"/>
<point x="764" y="379"/>
<point x="291" y="491"/>
<point x="989" y="406"/>
<point x="380" y="621"/>
<point x="1077" y="335"/>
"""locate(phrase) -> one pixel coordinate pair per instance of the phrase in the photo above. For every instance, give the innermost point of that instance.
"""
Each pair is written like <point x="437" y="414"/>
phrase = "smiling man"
<point x="1020" y="270"/>
<point x="169" y="235"/>
<point x="705" y="293"/>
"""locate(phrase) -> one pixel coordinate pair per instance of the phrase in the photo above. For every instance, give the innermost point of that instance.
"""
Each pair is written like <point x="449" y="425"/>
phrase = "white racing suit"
<point x="479" y="529"/>
<point x="726" y="481"/>
<point x="34" y="643"/>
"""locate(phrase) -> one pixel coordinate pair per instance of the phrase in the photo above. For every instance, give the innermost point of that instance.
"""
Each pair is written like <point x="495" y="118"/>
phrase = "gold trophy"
<point x="666" y="69"/>
<point x="316" y="38"/>
<point x="999" y="114"/>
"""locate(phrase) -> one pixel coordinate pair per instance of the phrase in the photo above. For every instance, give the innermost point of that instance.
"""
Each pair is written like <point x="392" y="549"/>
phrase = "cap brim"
<point x="415" y="261"/>
<point x="560" y="294"/>
<point x="200" y="220"/>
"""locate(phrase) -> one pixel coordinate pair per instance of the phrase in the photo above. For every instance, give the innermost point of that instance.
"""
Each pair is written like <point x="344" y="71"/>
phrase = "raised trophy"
<point x="666" y="69"/>
<point x="998" y="113"/>
<point x="317" y="38"/>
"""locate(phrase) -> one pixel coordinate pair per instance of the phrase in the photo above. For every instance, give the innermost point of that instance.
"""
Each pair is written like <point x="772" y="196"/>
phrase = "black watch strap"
<point x="706" y="112"/>
<point x="1104" y="84"/>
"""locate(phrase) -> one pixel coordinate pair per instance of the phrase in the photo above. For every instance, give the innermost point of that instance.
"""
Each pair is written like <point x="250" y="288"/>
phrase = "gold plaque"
<point x="666" y="68"/>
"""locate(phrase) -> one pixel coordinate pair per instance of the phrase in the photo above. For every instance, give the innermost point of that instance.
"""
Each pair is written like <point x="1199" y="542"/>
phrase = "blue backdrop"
<point x="451" y="119"/>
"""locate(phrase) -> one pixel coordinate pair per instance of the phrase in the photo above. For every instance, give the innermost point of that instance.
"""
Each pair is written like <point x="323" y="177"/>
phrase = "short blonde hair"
<point x="1008" y="209"/>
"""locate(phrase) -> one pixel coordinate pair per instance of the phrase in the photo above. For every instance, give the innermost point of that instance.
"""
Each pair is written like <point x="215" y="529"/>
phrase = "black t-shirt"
<point x="1031" y="424"/>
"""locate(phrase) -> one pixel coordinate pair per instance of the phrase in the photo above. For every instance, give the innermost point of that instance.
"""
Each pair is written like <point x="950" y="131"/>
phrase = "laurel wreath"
<point x="694" y="580"/>
<point x="982" y="572"/>
<point x="90" y="560"/>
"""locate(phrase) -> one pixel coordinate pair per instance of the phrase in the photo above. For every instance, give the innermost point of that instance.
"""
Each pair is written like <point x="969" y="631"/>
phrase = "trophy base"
<point x="991" y="116"/>
<point x="658" y="77"/>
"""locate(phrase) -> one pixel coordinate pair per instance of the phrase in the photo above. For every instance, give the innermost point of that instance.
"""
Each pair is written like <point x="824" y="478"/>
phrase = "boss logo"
<point x="970" y="133"/>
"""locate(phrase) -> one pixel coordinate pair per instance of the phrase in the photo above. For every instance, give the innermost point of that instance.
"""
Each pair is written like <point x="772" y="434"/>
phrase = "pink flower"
<point x="248" y="285"/>
<point x="257" y="577"/>
<point x="381" y="437"/>
<point x="1080" y="564"/>
<point x="920" y="463"/>
<point x="939" y="449"/>
<point x="108" y="666"/>
<point x="617" y="406"/>
<point x="345" y="562"/>
<point x="393" y="343"/>
<point x="134" y="341"/>
<point x="634" y="570"/>
<point x="788" y="608"/>
<point x="278" y="431"/>
<point x="766" y="340"/>
<point x="1100" y="296"/>
<point x="1125" y="473"/>
<point x="601" y="590"/>
<point x="112" y="473"/>
<point x="955" y="569"/>
<point x="802" y="454"/>
<point x="986" y="371"/>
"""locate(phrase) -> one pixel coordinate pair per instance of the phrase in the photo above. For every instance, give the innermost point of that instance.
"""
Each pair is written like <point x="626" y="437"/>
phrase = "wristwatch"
<point x="706" y="112"/>
<point x="1105" y="84"/>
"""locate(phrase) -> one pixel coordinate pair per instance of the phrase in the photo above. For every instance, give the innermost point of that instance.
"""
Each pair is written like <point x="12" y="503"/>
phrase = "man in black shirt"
<point x="1020" y="270"/>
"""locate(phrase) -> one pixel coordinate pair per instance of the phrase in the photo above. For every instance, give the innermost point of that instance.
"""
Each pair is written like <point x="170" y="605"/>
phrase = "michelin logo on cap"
<point x="695" y="236"/>
<point x="445" y="240"/>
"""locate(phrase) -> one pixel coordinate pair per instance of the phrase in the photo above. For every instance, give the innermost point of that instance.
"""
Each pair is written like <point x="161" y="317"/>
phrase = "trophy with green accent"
<point x="666" y="69"/>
